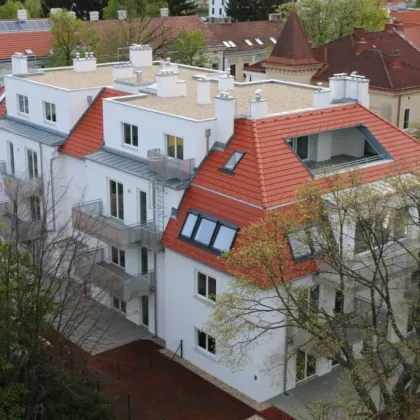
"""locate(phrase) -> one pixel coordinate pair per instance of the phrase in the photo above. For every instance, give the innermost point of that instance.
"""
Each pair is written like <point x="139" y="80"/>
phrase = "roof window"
<point x="226" y="44"/>
<point x="231" y="43"/>
<point x="273" y="40"/>
<point x="259" y="42"/>
<point x="209" y="232"/>
<point x="233" y="161"/>
<point x="249" y="42"/>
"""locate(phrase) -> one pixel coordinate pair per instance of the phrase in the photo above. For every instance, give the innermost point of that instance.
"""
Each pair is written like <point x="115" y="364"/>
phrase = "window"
<point x="259" y="42"/>
<point x="306" y="241"/>
<point x="32" y="161"/>
<point x="273" y="40"/>
<point x="118" y="256"/>
<point x="120" y="305"/>
<point x="143" y="206"/>
<point x="208" y="232"/>
<point x="231" y="43"/>
<point x="145" y="310"/>
<point x="233" y="70"/>
<point x="249" y="42"/>
<point x="175" y="147"/>
<point x="50" y="114"/>
<point x="206" y="342"/>
<point x="215" y="66"/>
<point x="23" y="104"/>
<point x="406" y="119"/>
<point x="301" y="146"/>
<point x="401" y="220"/>
<point x="233" y="161"/>
<point x="144" y="259"/>
<point x="131" y="137"/>
<point x="12" y="158"/>
<point x="226" y="44"/>
<point x="220" y="11"/>
<point x="116" y="192"/>
<point x="339" y="302"/>
<point x="305" y="365"/>
<point x="212" y="11"/>
<point x="35" y="206"/>
<point x="206" y="286"/>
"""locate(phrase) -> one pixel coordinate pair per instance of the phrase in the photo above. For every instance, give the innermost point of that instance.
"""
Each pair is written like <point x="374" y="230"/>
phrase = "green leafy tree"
<point x="243" y="10"/>
<point x="69" y="36"/>
<point x="9" y="9"/>
<point x="34" y="8"/>
<point x="190" y="48"/>
<point x="182" y="7"/>
<point x="326" y="20"/>
<point x="135" y="8"/>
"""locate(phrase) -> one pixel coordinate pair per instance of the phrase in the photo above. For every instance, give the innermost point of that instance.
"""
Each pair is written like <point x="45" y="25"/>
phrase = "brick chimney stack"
<point x="389" y="27"/>
<point x="394" y="59"/>
<point x="360" y="46"/>
<point x="359" y="32"/>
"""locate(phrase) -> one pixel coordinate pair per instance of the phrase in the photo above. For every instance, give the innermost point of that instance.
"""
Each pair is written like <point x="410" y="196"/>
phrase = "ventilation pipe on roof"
<point x="226" y="82"/>
<point x="22" y="14"/>
<point x="164" y="12"/>
<point x="93" y="16"/>
<point x="169" y="85"/>
<point x="350" y="87"/>
<point x="338" y="86"/>
<point x="19" y="63"/>
<point x="203" y="90"/>
<point x="258" y="107"/>
<point x="88" y="63"/>
<point x="122" y="71"/>
<point x="122" y="14"/>
<point x="141" y="55"/>
<point x="363" y="90"/>
<point x="224" y="112"/>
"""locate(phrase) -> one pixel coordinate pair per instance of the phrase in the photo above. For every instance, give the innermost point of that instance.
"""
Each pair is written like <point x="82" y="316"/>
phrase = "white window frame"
<point x="35" y="203"/>
<point x="119" y="306"/>
<point x="117" y="204"/>
<point x="258" y="41"/>
<point x="33" y="153"/>
<point x="293" y="143"/>
<point x="197" y="292"/>
<point x="25" y="103"/>
<point x="49" y="106"/>
<point x="203" y="350"/>
<point x="175" y="147"/>
<point x="130" y="144"/>
<point x="118" y="263"/>
<point x="248" y="42"/>
<point x="306" y="377"/>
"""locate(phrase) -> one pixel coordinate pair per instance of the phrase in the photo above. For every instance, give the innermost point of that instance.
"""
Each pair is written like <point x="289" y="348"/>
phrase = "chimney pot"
<point x="141" y="55"/>
<point x="274" y="16"/>
<point x="203" y="91"/>
<point x="93" y="16"/>
<point x="88" y="63"/>
<point x="122" y="14"/>
<point x="359" y="32"/>
<point x="22" y="14"/>
<point x="164" y="12"/>
<point x="258" y="107"/>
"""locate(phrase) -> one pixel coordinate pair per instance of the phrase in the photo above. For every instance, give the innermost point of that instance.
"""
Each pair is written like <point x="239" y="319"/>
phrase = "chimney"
<point x="55" y="11"/>
<point x="19" y="63"/>
<point x="122" y="71"/>
<point x="72" y="14"/>
<point x="258" y="107"/>
<point x="398" y="24"/>
<point x="274" y="17"/>
<point x="169" y="85"/>
<point x="389" y="27"/>
<point x="93" y="16"/>
<point x="22" y="14"/>
<point x="338" y="86"/>
<point x="363" y="91"/>
<point x="141" y="55"/>
<point x="321" y="97"/>
<point x="394" y="59"/>
<point x="122" y="14"/>
<point x="360" y="46"/>
<point x="164" y="12"/>
<point x="359" y="32"/>
<point x="224" y="112"/>
<point x="88" y="63"/>
<point x="203" y="90"/>
<point x="226" y="82"/>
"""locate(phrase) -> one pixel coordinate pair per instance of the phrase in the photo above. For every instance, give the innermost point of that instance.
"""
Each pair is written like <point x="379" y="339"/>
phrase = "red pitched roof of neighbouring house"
<point x="2" y="102"/>
<point x="371" y="54"/>
<point x="39" y="42"/>
<point x="88" y="136"/>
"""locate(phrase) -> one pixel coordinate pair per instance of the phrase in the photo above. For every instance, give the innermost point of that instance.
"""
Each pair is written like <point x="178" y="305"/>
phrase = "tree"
<point x="326" y="20"/>
<point x="353" y="250"/>
<point x="70" y="35"/>
<point x="182" y="7"/>
<point x="190" y="48"/>
<point x="9" y="9"/>
<point x="135" y="8"/>
<point x="243" y="10"/>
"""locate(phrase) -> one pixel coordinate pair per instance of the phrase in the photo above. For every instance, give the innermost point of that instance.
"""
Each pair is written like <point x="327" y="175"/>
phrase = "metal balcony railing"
<point x="112" y="279"/>
<point x="14" y="228"/>
<point x="89" y="218"/>
<point x="167" y="168"/>
<point x="19" y="186"/>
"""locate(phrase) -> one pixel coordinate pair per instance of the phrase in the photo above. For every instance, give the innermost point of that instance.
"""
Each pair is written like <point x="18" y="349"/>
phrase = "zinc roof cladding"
<point x="340" y="56"/>
<point x="239" y="31"/>
<point x="270" y="172"/>
<point x="39" y="42"/>
<point x="25" y="130"/>
<point x="88" y="136"/>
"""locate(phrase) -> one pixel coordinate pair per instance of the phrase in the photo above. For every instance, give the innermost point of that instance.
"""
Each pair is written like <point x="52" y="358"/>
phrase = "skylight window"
<point x="249" y="42"/>
<point x="209" y="232"/>
<point x="233" y="161"/>
<point x="226" y="44"/>
<point x="232" y="44"/>
<point x="259" y="42"/>
<point x="273" y="40"/>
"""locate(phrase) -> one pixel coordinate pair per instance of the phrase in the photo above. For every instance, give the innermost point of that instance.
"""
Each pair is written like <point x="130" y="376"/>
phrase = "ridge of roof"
<point x="385" y="69"/>
<point x="260" y="170"/>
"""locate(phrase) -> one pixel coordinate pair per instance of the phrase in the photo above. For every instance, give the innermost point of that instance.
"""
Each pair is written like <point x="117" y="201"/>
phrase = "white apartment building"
<point x="217" y="8"/>
<point x="134" y="152"/>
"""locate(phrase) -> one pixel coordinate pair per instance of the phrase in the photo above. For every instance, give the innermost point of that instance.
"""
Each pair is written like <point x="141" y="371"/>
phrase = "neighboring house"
<point x="386" y="58"/>
<point x="246" y="42"/>
<point x="217" y="8"/>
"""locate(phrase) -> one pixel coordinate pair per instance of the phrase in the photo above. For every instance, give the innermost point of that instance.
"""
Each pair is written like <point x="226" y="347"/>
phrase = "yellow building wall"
<point x="291" y="76"/>
<point x="240" y="60"/>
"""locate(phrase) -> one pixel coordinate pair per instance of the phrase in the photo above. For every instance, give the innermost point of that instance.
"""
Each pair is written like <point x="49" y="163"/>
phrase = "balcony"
<point x="19" y="187"/>
<point x="89" y="218"/>
<point x="12" y="227"/>
<point x="167" y="168"/>
<point x="113" y="279"/>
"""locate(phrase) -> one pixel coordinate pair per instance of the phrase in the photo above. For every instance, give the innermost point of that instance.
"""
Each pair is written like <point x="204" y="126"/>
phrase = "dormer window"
<point x="209" y="232"/>
<point x="300" y="145"/>
<point x="273" y="40"/>
<point x="233" y="161"/>
<point x="231" y="43"/>
<point x="259" y="42"/>
<point x="249" y="42"/>
<point x="226" y="44"/>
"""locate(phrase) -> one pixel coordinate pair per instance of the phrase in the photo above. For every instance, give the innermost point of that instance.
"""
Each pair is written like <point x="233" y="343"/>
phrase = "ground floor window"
<point x="206" y="341"/>
<point x="120" y="305"/>
<point x="305" y="365"/>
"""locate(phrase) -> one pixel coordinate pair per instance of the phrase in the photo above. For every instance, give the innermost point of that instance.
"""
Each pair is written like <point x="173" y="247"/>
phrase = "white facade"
<point x="217" y="8"/>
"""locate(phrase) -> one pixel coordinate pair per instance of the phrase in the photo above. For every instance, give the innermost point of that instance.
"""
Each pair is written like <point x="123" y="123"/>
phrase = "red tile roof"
<point x="39" y="42"/>
<point x="412" y="33"/>
<point x="2" y="102"/>
<point x="269" y="173"/>
<point x="87" y="136"/>
<point x="408" y="16"/>
<point x="374" y="62"/>
<point x="292" y="47"/>
<point x="239" y="31"/>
